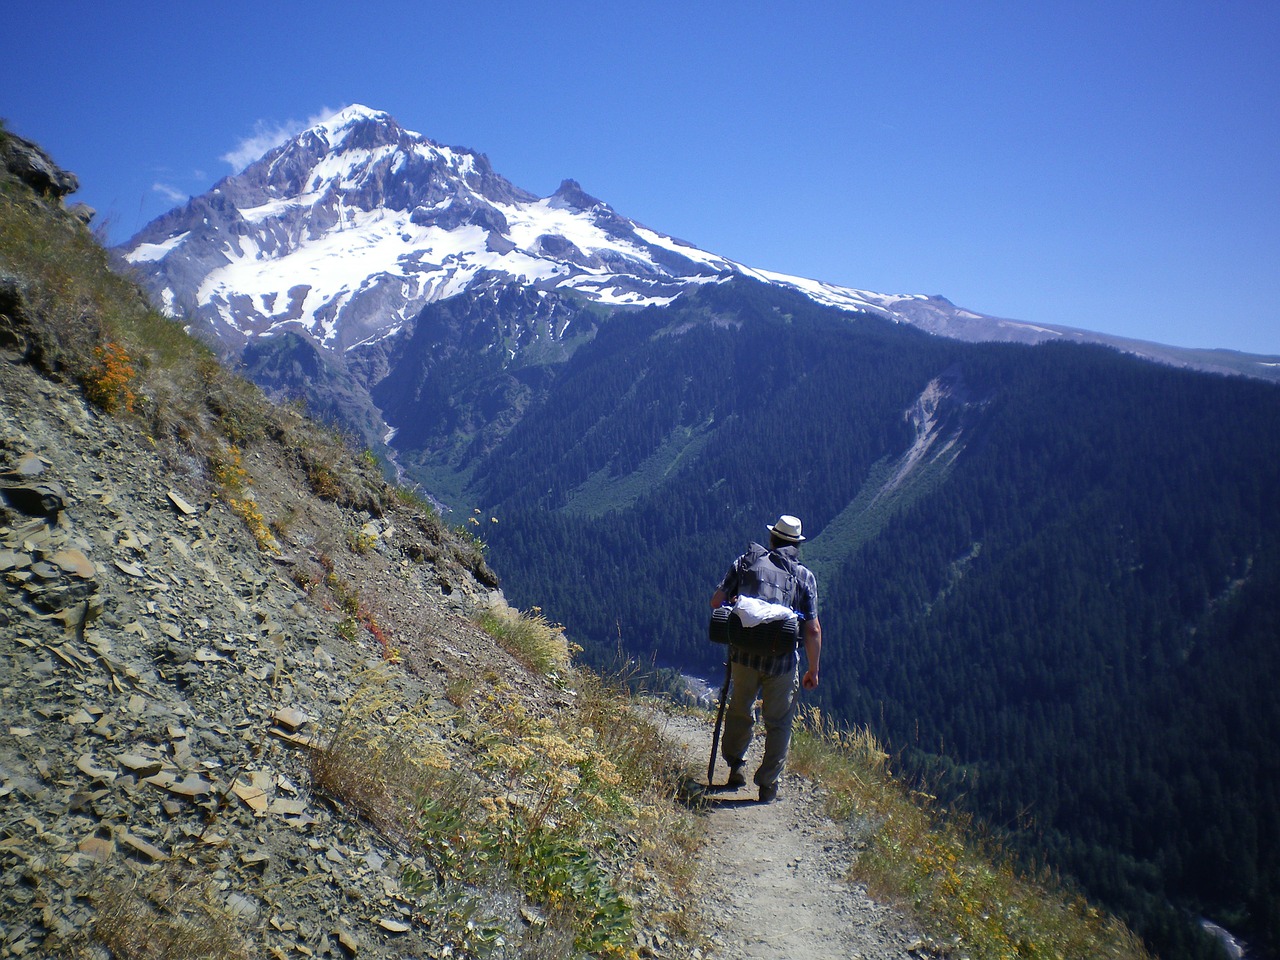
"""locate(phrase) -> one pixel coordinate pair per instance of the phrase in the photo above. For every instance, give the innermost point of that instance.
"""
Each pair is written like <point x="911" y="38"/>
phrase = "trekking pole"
<point x="715" y="737"/>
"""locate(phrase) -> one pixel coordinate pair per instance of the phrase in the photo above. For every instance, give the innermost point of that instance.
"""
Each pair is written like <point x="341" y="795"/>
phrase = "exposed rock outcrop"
<point x="30" y="164"/>
<point x="165" y="680"/>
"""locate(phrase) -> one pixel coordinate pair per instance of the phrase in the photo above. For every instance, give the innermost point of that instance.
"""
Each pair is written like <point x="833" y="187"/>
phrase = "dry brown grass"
<point x="173" y="913"/>
<point x="379" y="761"/>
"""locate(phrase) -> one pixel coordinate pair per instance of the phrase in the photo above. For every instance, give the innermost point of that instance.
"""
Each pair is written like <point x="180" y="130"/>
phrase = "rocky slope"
<point x="166" y="682"/>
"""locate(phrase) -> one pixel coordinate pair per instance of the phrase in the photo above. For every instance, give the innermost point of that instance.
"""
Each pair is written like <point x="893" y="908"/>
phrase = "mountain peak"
<point x="360" y="110"/>
<point x="337" y="129"/>
<point x="572" y="194"/>
<point x="354" y="113"/>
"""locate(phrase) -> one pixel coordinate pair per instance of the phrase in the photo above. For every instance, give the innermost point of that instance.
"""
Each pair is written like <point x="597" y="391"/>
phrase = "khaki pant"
<point x="780" y="695"/>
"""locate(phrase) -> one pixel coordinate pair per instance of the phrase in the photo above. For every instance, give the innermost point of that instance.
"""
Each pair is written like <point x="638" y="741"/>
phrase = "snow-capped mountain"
<point x="347" y="230"/>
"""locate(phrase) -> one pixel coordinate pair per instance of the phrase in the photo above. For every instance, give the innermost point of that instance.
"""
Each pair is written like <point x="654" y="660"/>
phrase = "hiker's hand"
<point x="810" y="680"/>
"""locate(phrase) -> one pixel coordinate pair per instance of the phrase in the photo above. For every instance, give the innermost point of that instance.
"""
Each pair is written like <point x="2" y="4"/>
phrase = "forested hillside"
<point x="1050" y="575"/>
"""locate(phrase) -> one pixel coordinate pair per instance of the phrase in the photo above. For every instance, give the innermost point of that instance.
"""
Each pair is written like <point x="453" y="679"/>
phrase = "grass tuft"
<point x="109" y="382"/>
<point x="168" y="915"/>
<point x="378" y="760"/>
<point x="529" y="637"/>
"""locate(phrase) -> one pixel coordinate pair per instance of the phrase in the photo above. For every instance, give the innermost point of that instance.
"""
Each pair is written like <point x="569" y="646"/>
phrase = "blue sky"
<point x="1111" y="166"/>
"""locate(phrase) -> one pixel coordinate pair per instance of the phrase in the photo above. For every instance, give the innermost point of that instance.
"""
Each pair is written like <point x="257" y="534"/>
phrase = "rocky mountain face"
<point x="164" y="682"/>
<point x="346" y="231"/>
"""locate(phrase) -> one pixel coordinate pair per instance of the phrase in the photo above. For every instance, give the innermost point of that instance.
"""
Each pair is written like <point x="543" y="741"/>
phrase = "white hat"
<point x="787" y="528"/>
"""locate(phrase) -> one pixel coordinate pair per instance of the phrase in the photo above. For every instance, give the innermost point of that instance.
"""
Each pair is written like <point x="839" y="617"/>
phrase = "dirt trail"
<point x="774" y="873"/>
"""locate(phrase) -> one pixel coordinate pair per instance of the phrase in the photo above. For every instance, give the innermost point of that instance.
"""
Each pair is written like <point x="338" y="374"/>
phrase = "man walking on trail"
<point x="776" y="576"/>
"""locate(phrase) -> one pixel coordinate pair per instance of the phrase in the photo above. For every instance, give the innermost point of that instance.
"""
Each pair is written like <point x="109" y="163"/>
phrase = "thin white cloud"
<point x="266" y="135"/>
<point x="172" y="194"/>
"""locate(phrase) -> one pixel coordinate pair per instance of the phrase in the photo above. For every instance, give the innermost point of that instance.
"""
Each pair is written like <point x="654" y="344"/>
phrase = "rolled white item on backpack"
<point x="753" y="611"/>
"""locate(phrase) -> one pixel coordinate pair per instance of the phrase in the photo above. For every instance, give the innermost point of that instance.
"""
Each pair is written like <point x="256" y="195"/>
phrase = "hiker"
<point x="777" y="573"/>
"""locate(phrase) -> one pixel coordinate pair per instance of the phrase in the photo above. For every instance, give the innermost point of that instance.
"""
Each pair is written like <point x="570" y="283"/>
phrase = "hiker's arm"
<point x="813" y="651"/>
<point x="727" y="590"/>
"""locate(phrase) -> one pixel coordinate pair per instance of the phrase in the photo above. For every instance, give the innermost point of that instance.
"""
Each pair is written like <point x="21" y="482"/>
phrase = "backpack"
<point x="769" y="576"/>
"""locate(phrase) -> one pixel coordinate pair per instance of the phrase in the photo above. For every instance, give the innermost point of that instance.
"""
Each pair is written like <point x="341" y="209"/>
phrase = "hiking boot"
<point x="736" y="778"/>
<point x="768" y="792"/>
